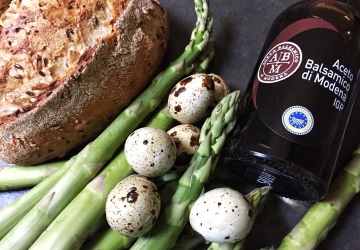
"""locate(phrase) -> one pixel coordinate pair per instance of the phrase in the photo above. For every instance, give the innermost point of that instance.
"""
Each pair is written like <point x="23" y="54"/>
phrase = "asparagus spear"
<point x="109" y="240"/>
<point x="322" y="216"/>
<point x="175" y="215"/>
<point x="91" y="159"/>
<point x="257" y="198"/>
<point x="205" y="58"/>
<point x="188" y="241"/>
<point x="15" y="177"/>
<point x="13" y="213"/>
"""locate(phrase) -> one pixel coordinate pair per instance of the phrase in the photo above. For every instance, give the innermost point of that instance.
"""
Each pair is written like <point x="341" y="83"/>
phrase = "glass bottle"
<point x="298" y="102"/>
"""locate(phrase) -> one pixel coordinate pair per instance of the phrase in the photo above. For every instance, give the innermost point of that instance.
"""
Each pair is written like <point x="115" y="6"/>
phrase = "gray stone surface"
<point x="240" y="29"/>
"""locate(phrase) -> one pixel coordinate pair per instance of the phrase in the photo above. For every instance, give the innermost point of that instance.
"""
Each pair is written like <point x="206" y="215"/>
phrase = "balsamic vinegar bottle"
<point x="298" y="101"/>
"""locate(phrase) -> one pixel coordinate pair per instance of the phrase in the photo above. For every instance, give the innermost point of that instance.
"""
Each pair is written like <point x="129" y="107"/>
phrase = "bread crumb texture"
<point x="68" y="68"/>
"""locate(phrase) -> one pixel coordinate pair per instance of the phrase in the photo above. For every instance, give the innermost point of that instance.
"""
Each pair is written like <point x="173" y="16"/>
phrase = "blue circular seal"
<point x="298" y="120"/>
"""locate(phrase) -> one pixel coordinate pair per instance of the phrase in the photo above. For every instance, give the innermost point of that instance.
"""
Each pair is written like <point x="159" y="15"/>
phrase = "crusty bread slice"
<point x="69" y="67"/>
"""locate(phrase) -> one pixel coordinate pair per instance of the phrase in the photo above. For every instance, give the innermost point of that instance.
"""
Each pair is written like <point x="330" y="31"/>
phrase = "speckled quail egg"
<point x="186" y="138"/>
<point x="222" y="215"/>
<point x="133" y="206"/>
<point x="222" y="89"/>
<point x="150" y="151"/>
<point x="191" y="99"/>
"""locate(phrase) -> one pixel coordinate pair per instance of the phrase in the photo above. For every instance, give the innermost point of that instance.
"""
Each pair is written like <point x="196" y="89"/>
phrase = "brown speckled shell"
<point x="186" y="138"/>
<point x="133" y="206"/>
<point x="191" y="99"/>
<point x="79" y="105"/>
<point x="150" y="151"/>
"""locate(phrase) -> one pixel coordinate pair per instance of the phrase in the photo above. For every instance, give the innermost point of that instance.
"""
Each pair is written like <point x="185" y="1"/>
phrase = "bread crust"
<point x="72" y="107"/>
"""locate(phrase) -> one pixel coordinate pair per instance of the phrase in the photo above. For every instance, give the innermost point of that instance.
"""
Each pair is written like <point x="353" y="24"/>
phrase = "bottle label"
<point x="304" y="81"/>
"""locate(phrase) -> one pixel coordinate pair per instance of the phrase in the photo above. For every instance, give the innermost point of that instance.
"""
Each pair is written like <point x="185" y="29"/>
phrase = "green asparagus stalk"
<point x="99" y="227"/>
<point x="188" y="239"/>
<point x="257" y="198"/>
<point x="205" y="58"/>
<point x="168" y="176"/>
<point x="322" y="216"/>
<point x="109" y="240"/>
<point x="16" y="177"/>
<point x="40" y="216"/>
<point x="175" y="215"/>
<point x="14" y="212"/>
<point x="188" y="242"/>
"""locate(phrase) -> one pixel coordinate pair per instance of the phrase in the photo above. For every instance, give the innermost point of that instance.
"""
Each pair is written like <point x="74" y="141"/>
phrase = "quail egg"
<point x="191" y="99"/>
<point x="133" y="206"/>
<point x="222" y="215"/>
<point x="186" y="138"/>
<point x="222" y="89"/>
<point x="150" y="151"/>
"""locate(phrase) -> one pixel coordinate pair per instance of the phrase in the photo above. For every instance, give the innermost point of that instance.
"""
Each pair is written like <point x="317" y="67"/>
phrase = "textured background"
<point x="240" y="29"/>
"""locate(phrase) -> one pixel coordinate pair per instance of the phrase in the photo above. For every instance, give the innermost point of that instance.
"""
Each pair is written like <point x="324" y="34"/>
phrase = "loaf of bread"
<point x="69" y="67"/>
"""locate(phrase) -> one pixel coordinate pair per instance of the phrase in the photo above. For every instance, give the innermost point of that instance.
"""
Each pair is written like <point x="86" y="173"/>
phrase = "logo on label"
<point x="280" y="62"/>
<point x="298" y="120"/>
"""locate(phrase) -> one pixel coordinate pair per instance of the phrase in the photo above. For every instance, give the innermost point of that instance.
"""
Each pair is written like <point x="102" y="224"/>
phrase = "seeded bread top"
<point x="32" y="62"/>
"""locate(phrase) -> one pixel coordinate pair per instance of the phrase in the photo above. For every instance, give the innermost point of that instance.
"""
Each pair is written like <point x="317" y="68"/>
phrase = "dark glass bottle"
<point x="298" y="101"/>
